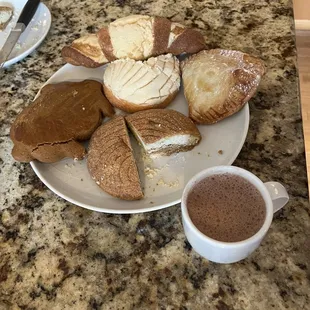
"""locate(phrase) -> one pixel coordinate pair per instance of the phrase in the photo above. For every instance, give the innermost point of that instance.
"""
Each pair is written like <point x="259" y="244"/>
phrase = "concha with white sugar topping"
<point x="140" y="85"/>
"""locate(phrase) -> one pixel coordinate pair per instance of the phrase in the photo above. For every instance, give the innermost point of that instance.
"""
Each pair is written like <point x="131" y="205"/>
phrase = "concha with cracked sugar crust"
<point x="218" y="83"/>
<point x="135" y="85"/>
<point x="111" y="162"/>
<point x="163" y="131"/>
<point x="53" y="126"/>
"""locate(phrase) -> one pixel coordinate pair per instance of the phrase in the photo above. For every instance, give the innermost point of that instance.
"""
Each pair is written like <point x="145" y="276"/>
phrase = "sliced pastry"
<point x="139" y="85"/>
<point x="6" y="14"/>
<point x="218" y="83"/>
<point x="111" y="162"/>
<point x="163" y="131"/>
<point x="63" y="115"/>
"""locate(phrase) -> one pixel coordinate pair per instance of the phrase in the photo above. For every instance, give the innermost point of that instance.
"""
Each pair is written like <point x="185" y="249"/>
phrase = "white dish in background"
<point x="33" y="35"/>
<point x="70" y="179"/>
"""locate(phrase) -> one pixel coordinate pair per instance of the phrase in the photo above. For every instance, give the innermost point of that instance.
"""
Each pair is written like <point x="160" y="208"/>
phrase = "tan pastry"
<point x="111" y="163"/>
<point x="218" y="83"/>
<point x="85" y="51"/>
<point x="64" y="114"/>
<point x="163" y="131"/>
<point x="136" y="37"/>
<point x="5" y="16"/>
<point x="135" y="85"/>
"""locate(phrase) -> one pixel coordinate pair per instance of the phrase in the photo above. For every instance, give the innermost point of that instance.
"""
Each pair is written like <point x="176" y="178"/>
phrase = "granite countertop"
<point x="55" y="255"/>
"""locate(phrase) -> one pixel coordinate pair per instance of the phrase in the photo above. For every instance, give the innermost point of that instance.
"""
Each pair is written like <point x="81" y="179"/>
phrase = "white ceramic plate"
<point x="70" y="179"/>
<point x="34" y="34"/>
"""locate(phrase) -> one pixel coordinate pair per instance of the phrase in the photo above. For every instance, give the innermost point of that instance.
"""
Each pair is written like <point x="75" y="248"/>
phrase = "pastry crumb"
<point x="220" y="152"/>
<point x="18" y="46"/>
<point x="168" y="184"/>
<point x="146" y="158"/>
<point x="35" y="28"/>
<point x="151" y="172"/>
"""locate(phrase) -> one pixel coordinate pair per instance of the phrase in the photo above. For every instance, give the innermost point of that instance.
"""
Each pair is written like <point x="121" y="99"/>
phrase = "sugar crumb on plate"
<point x="151" y="172"/>
<point x="168" y="184"/>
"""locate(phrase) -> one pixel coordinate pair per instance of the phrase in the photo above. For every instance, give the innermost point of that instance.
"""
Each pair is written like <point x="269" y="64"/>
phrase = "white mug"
<point x="275" y="197"/>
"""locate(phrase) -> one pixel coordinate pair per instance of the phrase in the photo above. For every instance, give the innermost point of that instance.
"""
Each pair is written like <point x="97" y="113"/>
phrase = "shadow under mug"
<point x="275" y="197"/>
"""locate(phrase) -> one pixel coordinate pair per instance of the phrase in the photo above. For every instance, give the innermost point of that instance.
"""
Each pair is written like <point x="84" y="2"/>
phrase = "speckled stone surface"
<point x="54" y="255"/>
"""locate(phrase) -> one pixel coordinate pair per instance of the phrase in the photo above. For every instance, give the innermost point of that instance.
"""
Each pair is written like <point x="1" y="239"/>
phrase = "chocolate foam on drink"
<point x="226" y="207"/>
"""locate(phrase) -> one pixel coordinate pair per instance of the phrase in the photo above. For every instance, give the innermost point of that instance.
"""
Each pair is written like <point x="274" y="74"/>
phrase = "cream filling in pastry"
<point x="173" y="141"/>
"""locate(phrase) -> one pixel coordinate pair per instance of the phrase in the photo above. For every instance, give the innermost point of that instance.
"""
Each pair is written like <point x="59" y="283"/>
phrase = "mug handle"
<point x="278" y="194"/>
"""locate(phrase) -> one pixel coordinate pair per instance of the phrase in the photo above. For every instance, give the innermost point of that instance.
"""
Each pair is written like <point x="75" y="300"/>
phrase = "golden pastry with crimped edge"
<point x="218" y="83"/>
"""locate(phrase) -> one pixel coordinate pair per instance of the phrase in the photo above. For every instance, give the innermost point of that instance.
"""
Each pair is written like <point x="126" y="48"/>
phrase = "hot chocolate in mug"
<point x="274" y="195"/>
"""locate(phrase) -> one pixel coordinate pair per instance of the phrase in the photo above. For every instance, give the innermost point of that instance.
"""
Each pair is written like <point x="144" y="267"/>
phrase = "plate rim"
<point x="35" y="45"/>
<point x="132" y="211"/>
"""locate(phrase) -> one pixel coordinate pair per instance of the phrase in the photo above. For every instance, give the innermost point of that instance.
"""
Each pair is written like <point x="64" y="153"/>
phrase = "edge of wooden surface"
<point x="303" y="62"/>
<point x="302" y="24"/>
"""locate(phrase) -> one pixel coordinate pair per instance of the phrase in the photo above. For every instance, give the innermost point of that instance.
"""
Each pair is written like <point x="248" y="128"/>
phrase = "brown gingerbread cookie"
<point x="63" y="115"/>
